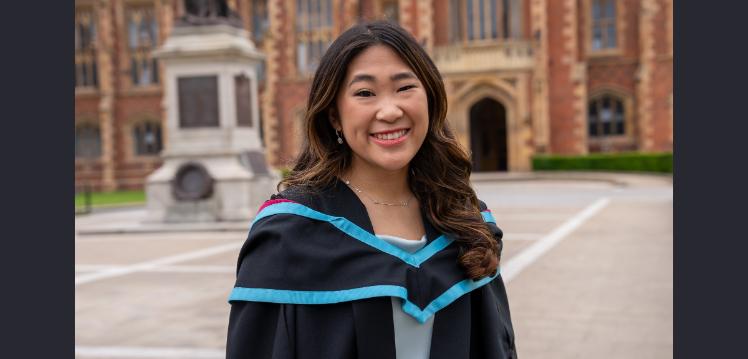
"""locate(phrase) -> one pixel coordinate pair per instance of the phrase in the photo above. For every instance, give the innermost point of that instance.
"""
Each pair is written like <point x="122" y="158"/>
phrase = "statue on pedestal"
<point x="208" y="12"/>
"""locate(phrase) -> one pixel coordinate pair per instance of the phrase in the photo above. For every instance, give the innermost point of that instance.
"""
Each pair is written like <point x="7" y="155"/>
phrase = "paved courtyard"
<point x="588" y="264"/>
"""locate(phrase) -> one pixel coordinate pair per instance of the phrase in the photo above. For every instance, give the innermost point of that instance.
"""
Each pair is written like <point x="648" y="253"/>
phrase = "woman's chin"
<point x="393" y="165"/>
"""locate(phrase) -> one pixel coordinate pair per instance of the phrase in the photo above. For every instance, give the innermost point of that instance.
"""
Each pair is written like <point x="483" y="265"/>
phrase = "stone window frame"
<point x="324" y="31"/>
<point x="511" y="31"/>
<point x="620" y="9"/>
<point x="131" y="142"/>
<point x="379" y="8"/>
<point x="629" y="118"/>
<point x="89" y="122"/>
<point x="263" y="21"/>
<point x="126" y="55"/>
<point x="88" y="55"/>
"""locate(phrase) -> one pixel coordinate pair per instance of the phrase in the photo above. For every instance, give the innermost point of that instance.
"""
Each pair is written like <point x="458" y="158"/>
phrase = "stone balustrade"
<point x="506" y="55"/>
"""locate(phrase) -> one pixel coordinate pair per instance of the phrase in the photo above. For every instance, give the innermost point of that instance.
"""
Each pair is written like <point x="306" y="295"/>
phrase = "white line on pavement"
<point x="521" y="236"/>
<point x="144" y="352"/>
<point x="157" y="237"/>
<point x="163" y="269"/>
<point x="523" y="259"/>
<point x="120" y="271"/>
<point x="529" y="217"/>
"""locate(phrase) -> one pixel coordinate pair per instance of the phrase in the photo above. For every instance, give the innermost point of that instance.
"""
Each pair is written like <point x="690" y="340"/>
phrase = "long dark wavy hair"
<point x="439" y="172"/>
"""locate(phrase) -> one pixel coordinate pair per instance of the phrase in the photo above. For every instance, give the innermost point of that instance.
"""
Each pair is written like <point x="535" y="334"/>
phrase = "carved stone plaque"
<point x="243" y="100"/>
<point x="198" y="101"/>
<point x="192" y="182"/>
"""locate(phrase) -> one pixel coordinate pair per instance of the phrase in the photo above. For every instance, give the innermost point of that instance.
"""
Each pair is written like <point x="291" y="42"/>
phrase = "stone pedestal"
<point x="214" y="166"/>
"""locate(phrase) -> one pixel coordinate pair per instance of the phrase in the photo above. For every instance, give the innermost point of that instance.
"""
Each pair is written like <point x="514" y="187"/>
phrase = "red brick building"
<point x="523" y="77"/>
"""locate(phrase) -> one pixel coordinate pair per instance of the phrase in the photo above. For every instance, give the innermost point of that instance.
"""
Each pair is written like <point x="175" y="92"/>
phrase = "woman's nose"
<point x="389" y="111"/>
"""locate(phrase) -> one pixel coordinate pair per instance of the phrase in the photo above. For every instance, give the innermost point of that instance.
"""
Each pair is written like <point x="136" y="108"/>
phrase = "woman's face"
<point x="382" y="110"/>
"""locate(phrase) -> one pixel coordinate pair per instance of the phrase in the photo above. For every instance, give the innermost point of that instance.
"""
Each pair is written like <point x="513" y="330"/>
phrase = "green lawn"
<point x="111" y="198"/>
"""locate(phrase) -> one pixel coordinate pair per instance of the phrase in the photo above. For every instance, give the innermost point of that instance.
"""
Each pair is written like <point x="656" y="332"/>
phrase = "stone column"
<point x="104" y="59"/>
<point x="539" y="93"/>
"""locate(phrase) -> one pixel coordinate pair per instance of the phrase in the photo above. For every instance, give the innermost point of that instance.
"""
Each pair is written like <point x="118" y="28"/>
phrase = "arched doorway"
<point x="488" y="141"/>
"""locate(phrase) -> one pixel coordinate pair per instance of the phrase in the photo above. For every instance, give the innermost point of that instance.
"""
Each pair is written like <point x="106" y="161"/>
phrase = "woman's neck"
<point x="381" y="184"/>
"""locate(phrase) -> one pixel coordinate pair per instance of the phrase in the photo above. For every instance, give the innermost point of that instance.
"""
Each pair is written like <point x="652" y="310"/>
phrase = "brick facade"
<point x="544" y="78"/>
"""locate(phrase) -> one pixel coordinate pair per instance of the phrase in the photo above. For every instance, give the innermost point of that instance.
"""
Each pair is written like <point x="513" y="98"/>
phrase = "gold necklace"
<point x="401" y="204"/>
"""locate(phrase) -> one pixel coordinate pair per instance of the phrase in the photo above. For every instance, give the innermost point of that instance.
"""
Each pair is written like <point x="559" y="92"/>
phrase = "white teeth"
<point x="391" y="136"/>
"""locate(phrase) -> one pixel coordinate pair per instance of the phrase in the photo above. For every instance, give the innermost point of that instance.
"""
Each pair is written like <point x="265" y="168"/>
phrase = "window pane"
<point x="481" y="19"/>
<point x="145" y="74"/>
<point x="592" y="118"/>
<point x="136" y="139"/>
<point x="299" y="16"/>
<point x="516" y="21"/>
<point x="494" y="32"/>
<point x="154" y="66"/>
<point x="159" y="144"/>
<point x="619" y="107"/>
<point x="596" y="38"/>
<point x="309" y="14"/>
<point x="85" y="48"/>
<point x="88" y="143"/>
<point x="610" y="11"/>
<point x="606" y="115"/>
<point x="593" y="125"/>
<point x="619" y="128"/>
<point x="312" y="33"/>
<point x="611" y="35"/>
<point x="78" y="35"/>
<point x="132" y="34"/>
<point x="147" y="138"/>
<point x="318" y="13"/>
<point x="595" y="10"/>
<point x="619" y="118"/>
<point x="505" y="18"/>
<point x="328" y="12"/>
<point x="142" y="32"/>
<point x="455" y="21"/>
<point x="84" y="74"/>
<point x="94" y="75"/>
<point x="470" y="19"/>
<point x="134" y="70"/>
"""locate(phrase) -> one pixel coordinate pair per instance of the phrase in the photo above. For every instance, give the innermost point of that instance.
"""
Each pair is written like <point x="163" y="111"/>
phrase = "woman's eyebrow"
<point x="370" y="78"/>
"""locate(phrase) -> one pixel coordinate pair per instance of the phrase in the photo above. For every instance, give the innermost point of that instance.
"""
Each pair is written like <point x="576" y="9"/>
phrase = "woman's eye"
<point x="364" y="93"/>
<point x="405" y="88"/>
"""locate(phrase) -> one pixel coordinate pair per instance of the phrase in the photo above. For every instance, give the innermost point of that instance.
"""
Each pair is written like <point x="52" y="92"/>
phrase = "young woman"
<point x="377" y="247"/>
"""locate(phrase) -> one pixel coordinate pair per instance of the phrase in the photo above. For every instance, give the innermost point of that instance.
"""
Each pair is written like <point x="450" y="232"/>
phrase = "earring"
<point x="340" y="140"/>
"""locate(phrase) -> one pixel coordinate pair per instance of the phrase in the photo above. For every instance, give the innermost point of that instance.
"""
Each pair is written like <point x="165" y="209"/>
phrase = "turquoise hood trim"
<point x="414" y="259"/>
<point x="346" y="226"/>
<point x="338" y="296"/>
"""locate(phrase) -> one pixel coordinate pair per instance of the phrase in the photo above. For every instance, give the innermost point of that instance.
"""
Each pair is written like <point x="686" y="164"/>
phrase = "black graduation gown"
<point x="313" y="282"/>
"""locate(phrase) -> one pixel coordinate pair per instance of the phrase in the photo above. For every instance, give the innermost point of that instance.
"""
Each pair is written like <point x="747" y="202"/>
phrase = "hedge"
<point x="629" y="161"/>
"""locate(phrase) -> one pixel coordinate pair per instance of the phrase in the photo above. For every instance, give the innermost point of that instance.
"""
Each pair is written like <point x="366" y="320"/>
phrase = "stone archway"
<point x="488" y="136"/>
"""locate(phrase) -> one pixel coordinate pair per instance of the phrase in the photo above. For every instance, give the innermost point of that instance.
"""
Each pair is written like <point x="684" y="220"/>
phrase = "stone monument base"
<point x="236" y="192"/>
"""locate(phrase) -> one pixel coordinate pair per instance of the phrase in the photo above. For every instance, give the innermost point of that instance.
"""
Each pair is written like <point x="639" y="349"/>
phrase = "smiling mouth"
<point x="390" y="135"/>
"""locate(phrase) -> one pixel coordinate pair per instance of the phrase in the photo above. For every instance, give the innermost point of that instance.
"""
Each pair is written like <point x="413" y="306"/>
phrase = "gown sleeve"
<point x="285" y="331"/>
<point x="260" y="330"/>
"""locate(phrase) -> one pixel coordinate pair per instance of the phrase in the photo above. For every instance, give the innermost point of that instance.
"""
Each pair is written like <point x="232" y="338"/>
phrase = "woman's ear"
<point x="332" y="115"/>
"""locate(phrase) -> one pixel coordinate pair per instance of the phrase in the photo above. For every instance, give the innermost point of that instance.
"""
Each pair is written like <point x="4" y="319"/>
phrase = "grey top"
<point x="412" y="339"/>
